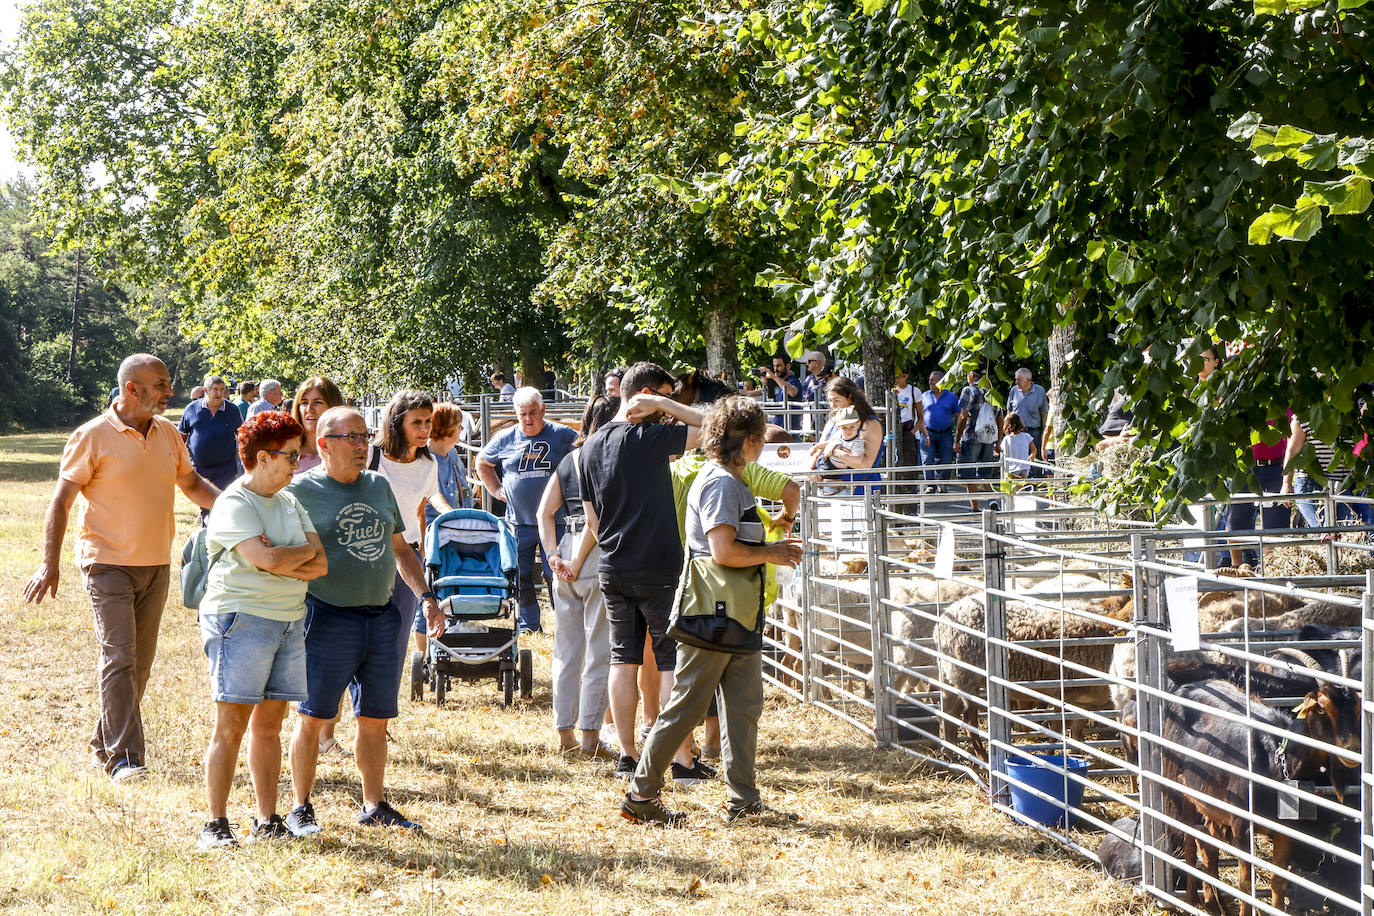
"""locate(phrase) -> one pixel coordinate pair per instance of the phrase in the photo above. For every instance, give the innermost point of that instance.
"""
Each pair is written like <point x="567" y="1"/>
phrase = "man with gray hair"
<point x="125" y="466"/>
<point x="209" y="427"/>
<point x="515" y="467"/>
<point x="1029" y="402"/>
<point x="269" y="397"/>
<point x="355" y="635"/>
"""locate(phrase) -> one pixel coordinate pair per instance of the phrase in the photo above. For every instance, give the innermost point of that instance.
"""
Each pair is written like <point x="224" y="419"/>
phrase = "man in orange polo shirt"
<point x="123" y="465"/>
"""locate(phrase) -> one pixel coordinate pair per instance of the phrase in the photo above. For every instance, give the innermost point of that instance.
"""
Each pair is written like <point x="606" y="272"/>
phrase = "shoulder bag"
<point x="719" y="607"/>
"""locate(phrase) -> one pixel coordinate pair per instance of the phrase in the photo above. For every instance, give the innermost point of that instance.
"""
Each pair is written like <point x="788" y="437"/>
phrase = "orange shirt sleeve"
<point x="78" y="459"/>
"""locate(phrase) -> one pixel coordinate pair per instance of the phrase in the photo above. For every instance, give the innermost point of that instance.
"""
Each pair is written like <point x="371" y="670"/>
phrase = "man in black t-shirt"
<point x="627" y="493"/>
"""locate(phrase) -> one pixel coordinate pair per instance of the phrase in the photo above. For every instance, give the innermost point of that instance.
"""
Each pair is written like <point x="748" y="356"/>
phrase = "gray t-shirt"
<point x="355" y="522"/>
<point x="1030" y="406"/>
<point x="719" y="498"/>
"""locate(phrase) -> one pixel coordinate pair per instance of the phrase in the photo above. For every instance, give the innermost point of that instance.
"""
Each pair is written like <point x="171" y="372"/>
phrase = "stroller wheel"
<point x="508" y="686"/>
<point x="440" y="689"/>
<point x="526" y="674"/>
<point x="417" y="675"/>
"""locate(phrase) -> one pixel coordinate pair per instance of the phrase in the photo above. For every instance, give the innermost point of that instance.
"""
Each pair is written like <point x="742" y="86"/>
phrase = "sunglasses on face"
<point x="293" y="457"/>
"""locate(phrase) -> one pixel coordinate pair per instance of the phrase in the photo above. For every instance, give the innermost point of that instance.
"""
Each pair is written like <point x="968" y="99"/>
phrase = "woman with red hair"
<point x="263" y="549"/>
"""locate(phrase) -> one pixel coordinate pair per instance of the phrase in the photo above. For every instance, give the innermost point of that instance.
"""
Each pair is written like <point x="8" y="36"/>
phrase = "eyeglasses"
<point x="353" y="439"/>
<point x="293" y="457"/>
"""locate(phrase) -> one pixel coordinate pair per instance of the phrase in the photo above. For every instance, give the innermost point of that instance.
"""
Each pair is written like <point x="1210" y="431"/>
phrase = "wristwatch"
<point x="429" y="594"/>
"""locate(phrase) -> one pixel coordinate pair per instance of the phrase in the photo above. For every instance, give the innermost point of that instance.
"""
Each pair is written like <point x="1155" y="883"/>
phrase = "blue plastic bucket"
<point x="1037" y="773"/>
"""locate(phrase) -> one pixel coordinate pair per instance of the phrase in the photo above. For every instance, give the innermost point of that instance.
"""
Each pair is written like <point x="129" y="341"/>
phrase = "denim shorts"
<point x="360" y="648"/>
<point x="253" y="658"/>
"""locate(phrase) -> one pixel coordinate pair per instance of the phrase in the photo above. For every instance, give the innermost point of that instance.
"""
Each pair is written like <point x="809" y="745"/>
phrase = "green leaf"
<point x="1357" y="155"/>
<point x="1095" y="250"/>
<point x="1318" y="154"/>
<point x="1351" y="195"/>
<point x="1121" y="267"/>
<point x="1270" y="7"/>
<point x="1298" y="223"/>
<point x="1244" y="127"/>
<point x="872" y="6"/>
<point x="1350" y="4"/>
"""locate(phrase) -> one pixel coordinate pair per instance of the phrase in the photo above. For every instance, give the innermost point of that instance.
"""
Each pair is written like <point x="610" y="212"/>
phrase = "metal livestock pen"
<point x="943" y="631"/>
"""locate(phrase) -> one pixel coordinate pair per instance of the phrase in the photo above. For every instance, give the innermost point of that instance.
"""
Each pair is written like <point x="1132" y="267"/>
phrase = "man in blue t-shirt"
<point x="514" y="467"/>
<point x="210" y="427"/>
<point x="941" y="407"/>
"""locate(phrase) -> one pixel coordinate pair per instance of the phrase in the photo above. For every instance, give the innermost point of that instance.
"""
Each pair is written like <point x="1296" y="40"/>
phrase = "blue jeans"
<point x="1313" y="511"/>
<point x="939" y="450"/>
<point x="253" y="658"/>
<point x="355" y="647"/>
<point x="527" y="542"/>
<point x="1309" y="509"/>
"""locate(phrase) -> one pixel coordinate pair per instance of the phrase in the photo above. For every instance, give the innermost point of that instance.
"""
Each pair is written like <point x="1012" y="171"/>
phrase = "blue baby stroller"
<point x="470" y="563"/>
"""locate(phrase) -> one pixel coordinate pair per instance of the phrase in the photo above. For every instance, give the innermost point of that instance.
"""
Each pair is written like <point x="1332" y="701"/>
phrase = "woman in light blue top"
<point x="263" y="549"/>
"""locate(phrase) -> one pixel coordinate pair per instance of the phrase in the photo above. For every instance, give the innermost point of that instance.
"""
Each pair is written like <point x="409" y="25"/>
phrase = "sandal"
<point x="602" y="751"/>
<point x="332" y="747"/>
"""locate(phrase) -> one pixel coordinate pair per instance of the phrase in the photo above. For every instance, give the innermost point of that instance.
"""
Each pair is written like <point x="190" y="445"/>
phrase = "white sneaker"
<point x="127" y="772"/>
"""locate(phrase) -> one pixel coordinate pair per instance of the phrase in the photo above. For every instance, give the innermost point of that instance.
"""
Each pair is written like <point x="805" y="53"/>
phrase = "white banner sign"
<point x="787" y="457"/>
<point x="944" y="554"/>
<point x="1180" y="594"/>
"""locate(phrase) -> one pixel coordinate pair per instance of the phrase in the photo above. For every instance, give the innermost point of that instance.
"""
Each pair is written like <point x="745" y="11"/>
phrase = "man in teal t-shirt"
<point x="354" y="636"/>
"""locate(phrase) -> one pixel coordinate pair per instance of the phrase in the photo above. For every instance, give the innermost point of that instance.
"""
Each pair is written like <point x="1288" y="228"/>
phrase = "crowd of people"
<point x="651" y="522"/>
<point x="315" y="583"/>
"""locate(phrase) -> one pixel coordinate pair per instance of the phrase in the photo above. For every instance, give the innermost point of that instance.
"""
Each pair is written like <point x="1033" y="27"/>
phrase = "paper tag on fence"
<point x="944" y="554"/>
<point x="1180" y="594"/>
<point x="842" y="524"/>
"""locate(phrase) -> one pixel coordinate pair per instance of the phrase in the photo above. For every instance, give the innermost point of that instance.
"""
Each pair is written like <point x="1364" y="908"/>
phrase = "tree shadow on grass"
<point x="32" y="456"/>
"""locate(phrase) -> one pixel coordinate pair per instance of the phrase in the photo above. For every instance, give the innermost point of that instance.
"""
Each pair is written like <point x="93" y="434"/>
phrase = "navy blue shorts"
<point x="360" y="648"/>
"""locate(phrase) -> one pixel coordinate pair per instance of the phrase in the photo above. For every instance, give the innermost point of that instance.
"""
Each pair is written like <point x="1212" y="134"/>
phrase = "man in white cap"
<point x="813" y="388"/>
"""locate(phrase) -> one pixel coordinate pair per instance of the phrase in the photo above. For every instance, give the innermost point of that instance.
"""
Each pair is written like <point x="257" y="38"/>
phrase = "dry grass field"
<point x="511" y="826"/>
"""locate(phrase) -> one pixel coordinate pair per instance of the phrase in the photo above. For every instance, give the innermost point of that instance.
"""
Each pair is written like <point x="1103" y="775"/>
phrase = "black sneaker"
<point x="694" y="775"/>
<point x="625" y="766"/>
<point x="758" y="810"/>
<point x="650" y="811"/>
<point x="217" y="834"/>
<point x="301" y="820"/>
<point x="383" y="815"/>
<point x="274" y="828"/>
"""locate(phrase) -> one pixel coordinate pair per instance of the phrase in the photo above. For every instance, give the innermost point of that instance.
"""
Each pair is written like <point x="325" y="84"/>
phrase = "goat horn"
<point x="1345" y="661"/>
<point x="1290" y="652"/>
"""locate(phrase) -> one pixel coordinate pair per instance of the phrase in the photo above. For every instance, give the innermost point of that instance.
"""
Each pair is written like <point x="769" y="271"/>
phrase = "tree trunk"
<point x="531" y="364"/>
<point x="76" y="320"/>
<point x="722" y="344"/>
<point x="1061" y="344"/>
<point x="877" y="369"/>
